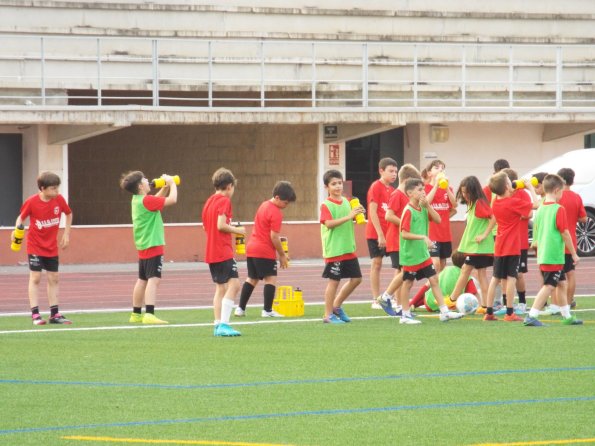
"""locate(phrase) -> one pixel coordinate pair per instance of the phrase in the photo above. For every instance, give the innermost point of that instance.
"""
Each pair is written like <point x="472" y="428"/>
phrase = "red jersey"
<point x="219" y="247"/>
<point x="397" y="202"/>
<point x="508" y="212"/>
<point x="573" y="204"/>
<point x="440" y="232"/>
<point x="44" y="222"/>
<point x="325" y="214"/>
<point x="524" y="223"/>
<point x="378" y="193"/>
<point x="268" y="218"/>
<point x="561" y="225"/>
<point x="153" y="204"/>
<point x="488" y="193"/>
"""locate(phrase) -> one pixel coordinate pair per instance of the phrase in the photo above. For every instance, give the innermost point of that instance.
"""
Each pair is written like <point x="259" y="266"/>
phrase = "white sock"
<point x="407" y="314"/>
<point x="533" y="312"/>
<point x="398" y="308"/>
<point x="443" y="309"/>
<point x="554" y="307"/>
<point x="565" y="310"/>
<point x="387" y="297"/>
<point x="226" y="309"/>
<point x="217" y="322"/>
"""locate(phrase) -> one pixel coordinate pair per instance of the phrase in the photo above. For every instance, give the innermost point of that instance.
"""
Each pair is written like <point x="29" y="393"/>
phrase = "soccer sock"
<point x="533" y="312"/>
<point x="226" y="309"/>
<point x="53" y="310"/>
<point x="386" y="297"/>
<point x="509" y="311"/>
<point x="35" y="310"/>
<point x="503" y="299"/>
<point x="269" y="296"/>
<point x="490" y="310"/>
<point x="137" y="310"/>
<point x="443" y="309"/>
<point x="565" y="310"/>
<point x="522" y="298"/>
<point x="150" y="309"/>
<point x="247" y="289"/>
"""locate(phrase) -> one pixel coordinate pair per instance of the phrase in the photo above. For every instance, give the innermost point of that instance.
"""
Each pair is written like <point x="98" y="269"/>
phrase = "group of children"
<point x="411" y="224"/>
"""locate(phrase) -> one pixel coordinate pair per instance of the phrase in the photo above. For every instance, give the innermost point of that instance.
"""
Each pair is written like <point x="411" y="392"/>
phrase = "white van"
<point x="582" y="161"/>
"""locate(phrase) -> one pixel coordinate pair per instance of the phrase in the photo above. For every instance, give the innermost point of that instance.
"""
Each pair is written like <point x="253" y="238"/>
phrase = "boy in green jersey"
<point x="550" y="236"/>
<point x="338" y="247"/>
<point x="147" y="226"/>
<point x="414" y="253"/>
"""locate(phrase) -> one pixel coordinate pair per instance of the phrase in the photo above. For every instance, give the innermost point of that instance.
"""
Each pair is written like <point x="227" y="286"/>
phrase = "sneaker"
<point x="408" y="320"/>
<point x="135" y="318"/>
<point x="572" y="320"/>
<point x="225" y="331"/>
<point x="500" y="312"/>
<point x="520" y="309"/>
<point x="386" y="305"/>
<point x="341" y="314"/>
<point x="489" y="317"/>
<point x="38" y="320"/>
<point x="332" y="319"/>
<point x="573" y="304"/>
<point x="445" y="317"/>
<point x="551" y="310"/>
<point x="532" y="322"/>
<point x="376" y="306"/>
<point x="59" y="319"/>
<point x="238" y="312"/>
<point x="151" y="319"/>
<point x="481" y="310"/>
<point x="513" y="318"/>
<point x="271" y="313"/>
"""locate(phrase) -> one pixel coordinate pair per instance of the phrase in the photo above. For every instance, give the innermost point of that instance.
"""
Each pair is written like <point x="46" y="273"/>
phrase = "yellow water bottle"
<point x="359" y="218"/>
<point x="284" y="245"/>
<point x="297" y="294"/>
<point x="19" y="234"/>
<point x="240" y="243"/>
<point x="160" y="182"/>
<point x="442" y="181"/>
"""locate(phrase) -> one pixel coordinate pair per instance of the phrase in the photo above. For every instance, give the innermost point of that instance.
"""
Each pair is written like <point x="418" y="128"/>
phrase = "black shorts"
<point x="394" y="259"/>
<point x="259" y="268"/>
<point x="568" y="263"/>
<point x="344" y="269"/>
<point x="424" y="273"/>
<point x="37" y="263"/>
<point x="553" y="277"/>
<point x="149" y="268"/>
<point x="221" y="272"/>
<point x="441" y="249"/>
<point x="523" y="267"/>
<point x="374" y="250"/>
<point x="506" y="266"/>
<point x="479" y="261"/>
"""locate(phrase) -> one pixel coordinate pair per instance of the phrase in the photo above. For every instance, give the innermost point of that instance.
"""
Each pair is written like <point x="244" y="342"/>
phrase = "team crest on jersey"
<point x="56" y="210"/>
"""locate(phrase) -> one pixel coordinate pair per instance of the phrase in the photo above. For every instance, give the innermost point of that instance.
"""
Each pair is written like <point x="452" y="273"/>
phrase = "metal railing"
<point x="52" y="71"/>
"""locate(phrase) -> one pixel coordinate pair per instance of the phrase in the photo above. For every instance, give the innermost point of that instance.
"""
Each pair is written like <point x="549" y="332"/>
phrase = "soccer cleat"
<point x="500" y="312"/>
<point x="376" y="306"/>
<point x="151" y="319"/>
<point x="513" y="318"/>
<point x="271" y="313"/>
<point x="37" y="320"/>
<point x="481" y="310"/>
<point x="551" y="310"/>
<point x="386" y="305"/>
<point x="532" y="322"/>
<point x="572" y="320"/>
<point x="450" y="315"/>
<point x="341" y="314"/>
<point x="520" y="309"/>
<point x="408" y="320"/>
<point x="489" y="317"/>
<point x="135" y="318"/>
<point x="59" y="319"/>
<point x="225" y="331"/>
<point x="332" y="319"/>
<point x="238" y="312"/>
<point x="573" y="304"/>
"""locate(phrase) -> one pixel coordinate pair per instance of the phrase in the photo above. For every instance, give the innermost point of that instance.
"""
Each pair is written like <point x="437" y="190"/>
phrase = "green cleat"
<point x="151" y="319"/>
<point x="572" y="320"/>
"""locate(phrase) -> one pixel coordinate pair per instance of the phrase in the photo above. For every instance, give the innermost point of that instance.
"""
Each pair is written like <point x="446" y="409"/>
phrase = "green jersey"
<point x="339" y="240"/>
<point x="476" y="226"/>
<point x="147" y="225"/>
<point x="414" y="252"/>
<point x="550" y="244"/>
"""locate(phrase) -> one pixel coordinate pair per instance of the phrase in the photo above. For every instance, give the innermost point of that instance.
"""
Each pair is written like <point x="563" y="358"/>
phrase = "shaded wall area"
<point x="258" y="155"/>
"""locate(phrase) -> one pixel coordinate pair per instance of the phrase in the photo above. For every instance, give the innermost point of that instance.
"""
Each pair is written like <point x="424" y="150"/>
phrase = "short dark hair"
<point x="434" y="163"/>
<point x="330" y="174"/>
<point x="511" y="173"/>
<point x="284" y="190"/>
<point x="47" y="179"/>
<point x="552" y="182"/>
<point x="567" y="174"/>
<point x="385" y="162"/>
<point x="540" y="176"/>
<point x="458" y="258"/>
<point x="412" y="183"/>
<point x="223" y="178"/>
<point x="131" y="181"/>
<point x="501" y="164"/>
<point x="408" y="171"/>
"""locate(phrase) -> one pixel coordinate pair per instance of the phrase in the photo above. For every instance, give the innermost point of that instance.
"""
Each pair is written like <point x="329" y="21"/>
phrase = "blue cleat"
<point x="224" y="330"/>
<point x="386" y="306"/>
<point x="532" y="322"/>
<point x="341" y="314"/>
<point x="333" y="319"/>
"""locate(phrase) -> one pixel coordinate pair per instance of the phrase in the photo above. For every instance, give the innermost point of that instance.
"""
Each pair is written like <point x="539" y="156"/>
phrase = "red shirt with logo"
<point x="219" y="247"/>
<point x="573" y="204"/>
<point x="440" y="232"/>
<point x="397" y="202"/>
<point x="508" y="212"/>
<point x="44" y="222"/>
<point x="268" y="218"/>
<point x="378" y="193"/>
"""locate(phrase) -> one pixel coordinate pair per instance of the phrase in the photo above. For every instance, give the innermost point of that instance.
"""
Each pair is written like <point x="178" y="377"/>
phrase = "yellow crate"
<point x="289" y="303"/>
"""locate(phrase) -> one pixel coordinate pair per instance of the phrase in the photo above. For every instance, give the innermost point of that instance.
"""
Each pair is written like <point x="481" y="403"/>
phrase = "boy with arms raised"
<point x="338" y="247"/>
<point x="263" y="247"/>
<point x="550" y="236"/>
<point x="216" y="218"/>
<point x="147" y="226"/>
<point x="415" y="255"/>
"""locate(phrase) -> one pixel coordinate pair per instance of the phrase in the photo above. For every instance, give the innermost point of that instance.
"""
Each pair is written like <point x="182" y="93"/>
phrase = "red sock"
<point x="418" y="299"/>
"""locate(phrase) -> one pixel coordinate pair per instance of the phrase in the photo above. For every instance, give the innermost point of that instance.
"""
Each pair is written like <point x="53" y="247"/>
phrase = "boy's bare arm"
<point x="339" y="221"/>
<point x="223" y="226"/>
<point x="569" y="246"/>
<point x="172" y="197"/>
<point x="283" y="257"/>
<point x="392" y="218"/>
<point x="65" y="242"/>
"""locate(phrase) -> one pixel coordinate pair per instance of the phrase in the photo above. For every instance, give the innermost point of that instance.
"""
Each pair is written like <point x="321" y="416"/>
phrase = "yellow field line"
<point x="157" y="441"/>
<point x="544" y="442"/>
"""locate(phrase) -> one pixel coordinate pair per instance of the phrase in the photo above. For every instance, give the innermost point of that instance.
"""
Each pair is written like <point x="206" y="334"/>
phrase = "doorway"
<point x="11" y="172"/>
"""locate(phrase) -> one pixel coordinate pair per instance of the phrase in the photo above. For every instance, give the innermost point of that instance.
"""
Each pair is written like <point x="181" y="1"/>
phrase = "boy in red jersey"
<point x="44" y="210"/>
<point x="508" y="211"/>
<point x="444" y="202"/>
<point x="263" y="247"/>
<point x="575" y="212"/>
<point x="216" y="218"/>
<point x="378" y="196"/>
<point x="149" y="240"/>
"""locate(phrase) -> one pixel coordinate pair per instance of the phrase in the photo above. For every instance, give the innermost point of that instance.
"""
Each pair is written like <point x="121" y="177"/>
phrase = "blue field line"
<point x="300" y="381"/>
<point x="322" y="412"/>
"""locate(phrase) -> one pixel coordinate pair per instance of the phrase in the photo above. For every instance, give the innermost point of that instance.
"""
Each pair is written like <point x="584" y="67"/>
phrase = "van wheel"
<point x="585" y="236"/>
